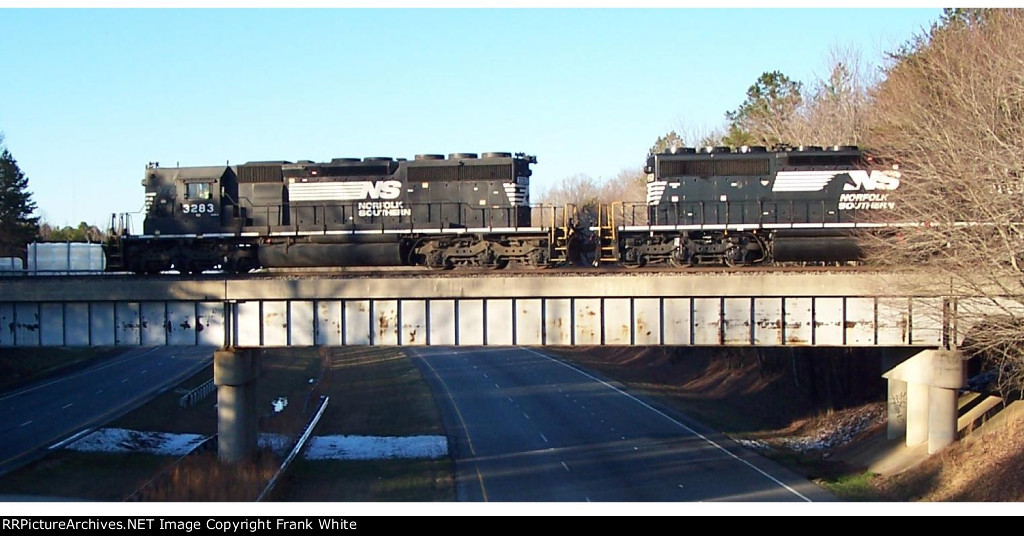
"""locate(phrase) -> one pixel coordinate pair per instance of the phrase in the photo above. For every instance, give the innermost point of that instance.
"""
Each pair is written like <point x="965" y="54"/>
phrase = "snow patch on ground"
<point x="337" y="447"/>
<point x="120" y="440"/>
<point x="342" y="447"/>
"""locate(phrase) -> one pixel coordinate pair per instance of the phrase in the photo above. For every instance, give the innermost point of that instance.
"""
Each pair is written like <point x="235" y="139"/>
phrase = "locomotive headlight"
<point x="650" y="177"/>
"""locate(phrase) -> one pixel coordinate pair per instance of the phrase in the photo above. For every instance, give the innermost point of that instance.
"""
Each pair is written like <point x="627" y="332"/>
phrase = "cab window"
<point x="198" y="190"/>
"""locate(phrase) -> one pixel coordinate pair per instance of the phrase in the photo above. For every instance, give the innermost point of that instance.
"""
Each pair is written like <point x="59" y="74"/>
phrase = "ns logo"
<point x="381" y="190"/>
<point x="877" y="180"/>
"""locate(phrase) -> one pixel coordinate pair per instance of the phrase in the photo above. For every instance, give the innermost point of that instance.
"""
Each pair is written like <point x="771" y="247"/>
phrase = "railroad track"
<point x="426" y="273"/>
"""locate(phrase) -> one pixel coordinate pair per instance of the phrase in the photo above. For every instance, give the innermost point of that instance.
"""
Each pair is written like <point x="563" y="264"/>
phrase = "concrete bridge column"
<point x="896" y="414"/>
<point x="917" y="413"/>
<point x="235" y="372"/>
<point x="942" y="416"/>
<point x="931" y="380"/>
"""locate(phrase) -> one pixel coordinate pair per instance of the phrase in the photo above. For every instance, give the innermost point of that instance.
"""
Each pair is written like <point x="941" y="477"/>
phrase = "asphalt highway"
<point x="524" y="426"/>
<point x="52" y="412"/>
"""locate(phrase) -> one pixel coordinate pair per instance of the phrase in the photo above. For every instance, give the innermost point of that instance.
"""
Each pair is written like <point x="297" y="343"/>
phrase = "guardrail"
<point x="197" y="394"/>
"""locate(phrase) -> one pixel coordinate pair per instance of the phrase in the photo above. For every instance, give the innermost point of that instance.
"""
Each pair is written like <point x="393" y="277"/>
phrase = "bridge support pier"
<point x="896" y="411"/>
<point x="235" y="371"/>
<point x="923" y="394"/>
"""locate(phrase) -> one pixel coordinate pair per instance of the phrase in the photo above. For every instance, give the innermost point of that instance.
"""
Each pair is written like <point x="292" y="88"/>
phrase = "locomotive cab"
<point x="188" y="200"/>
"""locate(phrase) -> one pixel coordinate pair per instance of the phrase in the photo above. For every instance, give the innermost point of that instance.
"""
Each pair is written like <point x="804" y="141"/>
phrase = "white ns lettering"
<point x="877" y="180"/>
<point x="383" y="190"/>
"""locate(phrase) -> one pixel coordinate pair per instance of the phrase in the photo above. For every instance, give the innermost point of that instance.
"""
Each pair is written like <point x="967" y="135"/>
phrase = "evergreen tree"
<point x="17" y="225"/>
<point x="762" y="119"/>
<point x="667" y="142"/>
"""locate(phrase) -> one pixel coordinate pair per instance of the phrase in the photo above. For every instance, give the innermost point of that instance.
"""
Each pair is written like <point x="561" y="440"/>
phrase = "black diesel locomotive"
<point x="433" y="211"/>
<point x="753" y="206"/>
<point x="704" y="206"/>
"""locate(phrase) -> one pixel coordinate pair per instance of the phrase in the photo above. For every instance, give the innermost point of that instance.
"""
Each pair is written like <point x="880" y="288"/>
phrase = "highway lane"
<point x="39" y="416"/>
<point x="526" y="427"/>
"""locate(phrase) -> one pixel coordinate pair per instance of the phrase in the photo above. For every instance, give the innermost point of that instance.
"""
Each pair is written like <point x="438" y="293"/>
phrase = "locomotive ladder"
<point x="608" y="233"/>
<point x="561" y="243"/>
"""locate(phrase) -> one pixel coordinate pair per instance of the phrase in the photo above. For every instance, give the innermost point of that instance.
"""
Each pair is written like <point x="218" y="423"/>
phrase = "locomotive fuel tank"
<point x="314" y="255"/>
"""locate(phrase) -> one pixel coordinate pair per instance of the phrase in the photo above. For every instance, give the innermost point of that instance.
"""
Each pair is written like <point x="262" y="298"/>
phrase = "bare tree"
<point x="836" y="108"/>
<point x="626" y="193"/>
<point x="951" y="113"/>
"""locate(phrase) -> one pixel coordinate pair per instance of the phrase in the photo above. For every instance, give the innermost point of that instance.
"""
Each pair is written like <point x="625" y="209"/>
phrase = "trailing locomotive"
<point x="433" y="211"/>
<point x="704" y="206"/>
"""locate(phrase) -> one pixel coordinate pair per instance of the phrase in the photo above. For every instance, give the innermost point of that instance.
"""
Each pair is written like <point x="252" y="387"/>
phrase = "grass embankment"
<point x="374" y="391"/>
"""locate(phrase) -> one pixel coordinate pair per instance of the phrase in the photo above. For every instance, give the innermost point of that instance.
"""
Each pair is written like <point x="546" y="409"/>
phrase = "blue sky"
<point x="91" y="95"/>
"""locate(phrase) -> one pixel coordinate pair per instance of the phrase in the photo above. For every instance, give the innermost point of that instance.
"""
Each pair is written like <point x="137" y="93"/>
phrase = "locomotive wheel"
<point x="640" y="263"/>
<point x="677" y="259"/>
<point x="633" y="259"/>
<point x="729" y="259"/>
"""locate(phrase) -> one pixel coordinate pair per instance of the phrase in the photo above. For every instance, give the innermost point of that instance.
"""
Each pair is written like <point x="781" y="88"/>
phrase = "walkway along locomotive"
<point x="704" y="206"/>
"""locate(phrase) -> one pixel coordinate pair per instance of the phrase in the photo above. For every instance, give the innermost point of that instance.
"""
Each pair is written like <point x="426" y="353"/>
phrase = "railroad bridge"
<point x="702" y="308"/>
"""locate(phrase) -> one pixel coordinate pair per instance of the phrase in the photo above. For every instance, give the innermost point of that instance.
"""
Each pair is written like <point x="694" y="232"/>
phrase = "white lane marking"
<point x="587" y="498"/>
<point x="144" y="371"/>
<point x="68" y="405"/>
<point x="525" y="415"/>
<point x="124" y="380"/>
<point x="677" y="423"/>
<point x="485" y="376"/>
<point x="510" y="399"/>
<point x="24" y="424"/>
<point x="496" y="386"/>
<point x="544" y="438"/>
<point x="566" y="467"/>
<point x="100" y="391"/>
